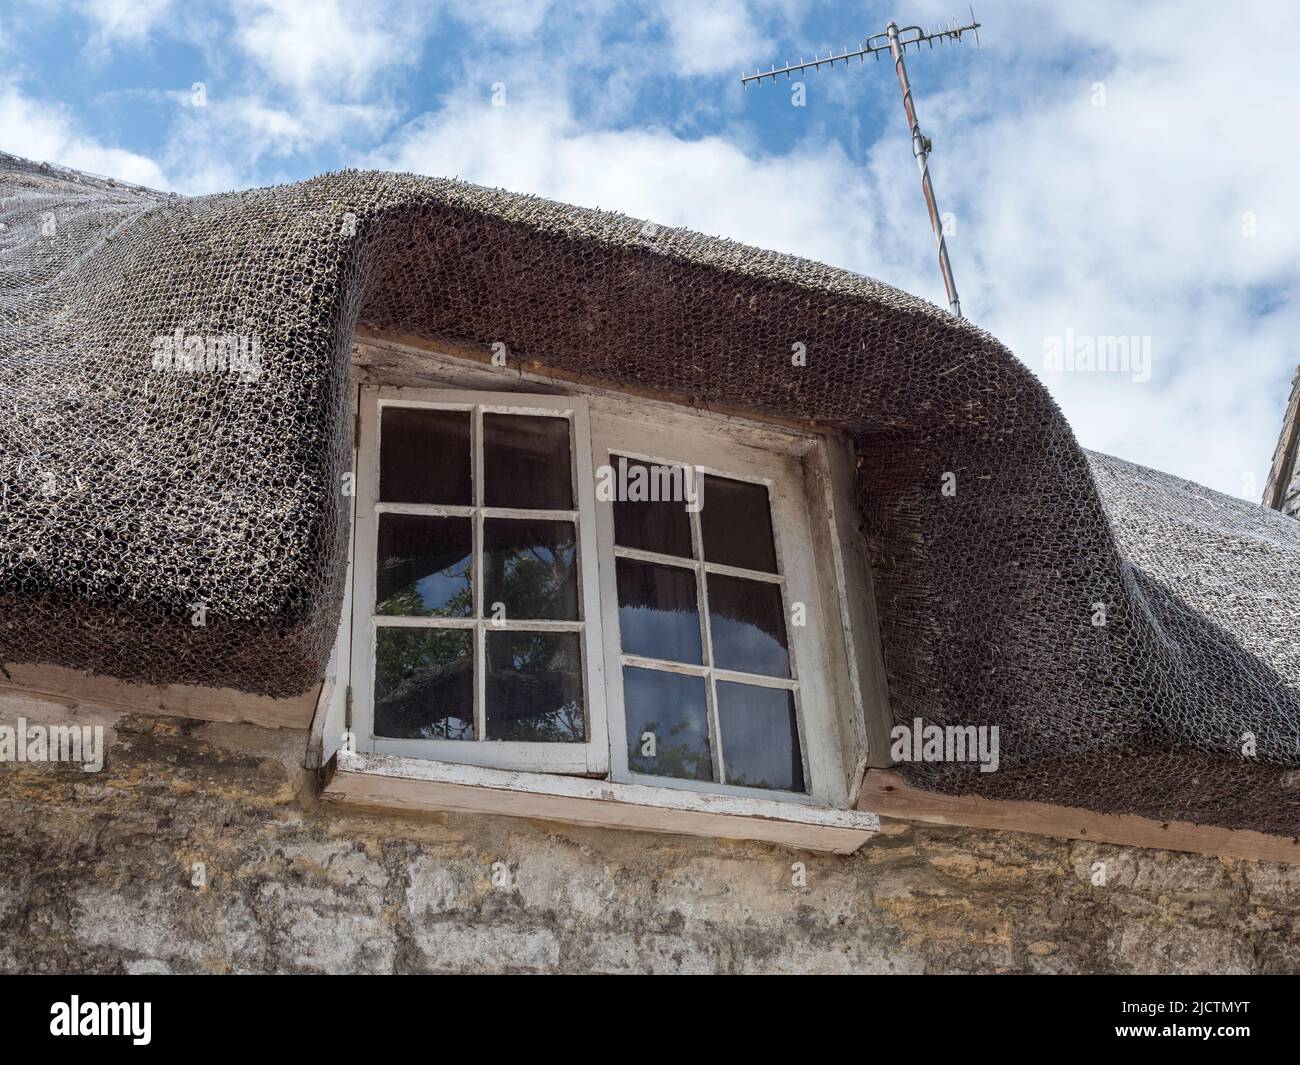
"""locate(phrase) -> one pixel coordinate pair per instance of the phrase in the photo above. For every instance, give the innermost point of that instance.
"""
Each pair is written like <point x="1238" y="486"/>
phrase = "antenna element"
<point x="896" y="41"/>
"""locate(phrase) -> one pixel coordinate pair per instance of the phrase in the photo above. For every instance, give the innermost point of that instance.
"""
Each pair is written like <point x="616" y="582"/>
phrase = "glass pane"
<point x="658" y="615"/>
<point x="424" y="683"/>
<point x="526" y="462"/>
<point x="534" y="687"/>
<point x="760" y="737"/>
<point x="425" y="567"/>
<point x="747" y="625"/>
<point x="667" y="724"/>
<point x="530" y="569"/>
<point x="649" y="512"/>
<point x="424" y="456"/>
<point x="736" y="525"/>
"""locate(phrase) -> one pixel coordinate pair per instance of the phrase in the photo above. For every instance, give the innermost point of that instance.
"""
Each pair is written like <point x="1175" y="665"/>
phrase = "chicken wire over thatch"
<point x="138" y="499"/>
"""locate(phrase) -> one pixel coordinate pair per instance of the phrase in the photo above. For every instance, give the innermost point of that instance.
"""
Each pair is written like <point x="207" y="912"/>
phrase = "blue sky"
<point x="1110" y="169"/>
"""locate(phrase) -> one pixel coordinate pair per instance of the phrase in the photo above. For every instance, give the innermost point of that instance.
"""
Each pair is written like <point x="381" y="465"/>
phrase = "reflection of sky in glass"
<point x="672" y="708"/>
<point x="746" y="648"/>
<point x="437" y="590"/>
<point x="670" y="635"/>
<point x="760" y="745"/>
<point x="424" y="566"/>
<point x="451" y="728"/>
<point x="747" y="625"/>
<point x="658" y="616"/>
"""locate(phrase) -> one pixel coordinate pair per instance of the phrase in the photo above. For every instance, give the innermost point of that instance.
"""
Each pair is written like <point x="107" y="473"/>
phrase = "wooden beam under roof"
<point x="884" y="792"/>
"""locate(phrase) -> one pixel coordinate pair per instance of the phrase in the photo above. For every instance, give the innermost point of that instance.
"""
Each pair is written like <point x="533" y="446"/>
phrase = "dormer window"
<point x="584" y="586"/>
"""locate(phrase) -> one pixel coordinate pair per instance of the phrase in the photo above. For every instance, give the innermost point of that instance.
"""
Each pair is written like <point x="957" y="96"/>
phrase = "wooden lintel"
<point x="70" y="686"/>
<point x="884" y="792"/>
<point x="404" y="350"/>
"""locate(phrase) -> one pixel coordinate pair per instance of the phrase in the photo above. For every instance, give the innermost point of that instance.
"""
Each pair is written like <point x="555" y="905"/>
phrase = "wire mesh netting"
<point x="174" y="396"/>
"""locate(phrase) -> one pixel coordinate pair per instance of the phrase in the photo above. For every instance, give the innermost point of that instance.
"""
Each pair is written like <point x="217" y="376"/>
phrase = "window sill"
<point x="411" y="785"/>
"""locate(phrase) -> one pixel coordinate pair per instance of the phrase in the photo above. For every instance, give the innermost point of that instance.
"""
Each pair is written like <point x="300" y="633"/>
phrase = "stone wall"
<point x="96" y="874"/>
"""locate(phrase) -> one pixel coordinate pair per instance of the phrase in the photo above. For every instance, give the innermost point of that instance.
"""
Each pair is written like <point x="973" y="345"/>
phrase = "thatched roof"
<point x="132" y="495"/>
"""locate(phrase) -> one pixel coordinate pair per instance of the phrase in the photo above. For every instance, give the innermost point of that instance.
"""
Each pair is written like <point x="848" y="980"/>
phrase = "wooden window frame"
<point x="708" y="453"/>
<point x="588" y="758"/>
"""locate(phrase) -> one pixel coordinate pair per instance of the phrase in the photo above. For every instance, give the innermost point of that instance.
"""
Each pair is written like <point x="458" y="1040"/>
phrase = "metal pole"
<point x="921" y="149"/>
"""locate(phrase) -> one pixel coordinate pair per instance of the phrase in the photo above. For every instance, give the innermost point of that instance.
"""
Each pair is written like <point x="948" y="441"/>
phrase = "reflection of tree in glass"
<point x="424" y="683"/>
<point x="564" y="724"/>
<point x="743" y="781"/>
<point x="534" y="687"/>
<point x="529" y="567"/>
<point x="424" y="677"/>
<point x="686" y="760"/>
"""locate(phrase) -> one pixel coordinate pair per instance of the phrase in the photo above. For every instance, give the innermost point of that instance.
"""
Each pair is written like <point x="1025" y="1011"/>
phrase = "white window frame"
<point x="849" y="726"/>
<point x="781" y="473"/>
<point x="589" y="758"/>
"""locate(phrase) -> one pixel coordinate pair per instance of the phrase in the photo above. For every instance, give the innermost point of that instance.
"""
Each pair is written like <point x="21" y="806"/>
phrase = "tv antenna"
<point x="896" y="41"/>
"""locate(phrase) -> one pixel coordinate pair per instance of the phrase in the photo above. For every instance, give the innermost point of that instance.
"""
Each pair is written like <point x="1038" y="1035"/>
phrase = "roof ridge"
<point x="9" y="161"/>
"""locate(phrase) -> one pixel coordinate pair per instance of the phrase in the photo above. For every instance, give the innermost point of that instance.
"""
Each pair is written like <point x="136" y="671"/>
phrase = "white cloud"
<point x="806" y="201"/>
<point x="301" y="75"/>
<point x="46" y="133"/>
<point x="708" y="37"/>
<point x="1127" y="219"/>
<point x="330" y="48"/>
<point x="129" y="22"/>
<point x="230" y="143"/>
<point x="517" y="19"/>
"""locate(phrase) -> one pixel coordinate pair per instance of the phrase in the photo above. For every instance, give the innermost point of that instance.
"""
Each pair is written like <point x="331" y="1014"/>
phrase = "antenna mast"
<point x="896" y="41"/>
